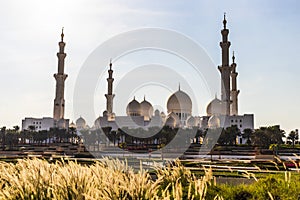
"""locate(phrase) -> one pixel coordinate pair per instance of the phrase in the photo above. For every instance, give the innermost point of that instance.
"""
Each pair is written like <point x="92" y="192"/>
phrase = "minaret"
<point x="234" y="92"/>
<point x="225" y="69"/>
<point x="60" y="77"/>
<point x="109" y="96"/>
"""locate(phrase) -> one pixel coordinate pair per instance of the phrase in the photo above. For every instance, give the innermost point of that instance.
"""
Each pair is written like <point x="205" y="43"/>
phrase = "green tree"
<point x="3" y="133"/>
<point x="293" y="137"/>
<point x="199" y="134"/>
<point x="16" y="128"/>
<point x="247" y="134"/>
<point x="72" y="132"/>
<point x="229" y="135"/>
<point x="31" y="128"/>
<point x="265" y="136"/>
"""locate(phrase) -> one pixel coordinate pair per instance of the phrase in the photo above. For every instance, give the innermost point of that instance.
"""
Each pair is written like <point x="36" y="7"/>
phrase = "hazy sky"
<point x="263" y="34"/>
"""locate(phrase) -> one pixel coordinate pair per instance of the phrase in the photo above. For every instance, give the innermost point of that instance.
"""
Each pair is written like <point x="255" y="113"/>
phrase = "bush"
<point x="271" y="187"/>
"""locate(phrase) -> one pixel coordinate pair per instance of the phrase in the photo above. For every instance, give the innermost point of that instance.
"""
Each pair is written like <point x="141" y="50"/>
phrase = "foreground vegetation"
<point x="271" y="187"/>
<point x="108" y="179"/>
<point x="114" y="179"/>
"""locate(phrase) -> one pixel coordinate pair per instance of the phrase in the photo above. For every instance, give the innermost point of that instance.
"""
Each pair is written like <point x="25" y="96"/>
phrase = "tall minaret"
<point x="109" y="96"/>
<point x="234" y="92"/>
<point x="60" y="77"/>
<point x="225" y="69"/>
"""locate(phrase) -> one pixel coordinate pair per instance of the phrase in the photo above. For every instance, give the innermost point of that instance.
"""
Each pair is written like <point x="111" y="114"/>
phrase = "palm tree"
<point x="3" y="132"/>
<point x="199" y="134"/>
<point x="31" y="128"/>
<point x="293" y="136"/>
<point x="265" y="136"/>
<point x="16" y="128"/>
<point x="17" y="133"/>
<point x="72" y="131"/>
<point x="260" y="138"/>
<point x="247" y="134"/>
<point x="229" y="135"/>
<point x="31" y="133"/>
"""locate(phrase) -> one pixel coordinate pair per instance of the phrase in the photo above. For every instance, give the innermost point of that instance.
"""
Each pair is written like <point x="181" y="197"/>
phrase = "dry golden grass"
<point x="107" y="179"/>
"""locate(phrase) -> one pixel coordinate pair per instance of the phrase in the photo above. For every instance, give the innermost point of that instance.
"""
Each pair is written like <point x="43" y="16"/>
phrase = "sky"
<point x="263" y="34"/>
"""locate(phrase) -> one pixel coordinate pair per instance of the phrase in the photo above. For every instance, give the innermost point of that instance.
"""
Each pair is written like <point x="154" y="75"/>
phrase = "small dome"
<point x="214" y="122"/>
<point x="170" y="122"/>
<point x="80" y="120"/>
<point x="191" y="121"/>
<point x="105" y="113"/>
<point x="80" y="123"/>
<point x="134" y="108"/>
<point x="97" y="122"/>
<point x="179" y="102"/>
<point x="146" y="109"/>
<point x="215" y="107"/>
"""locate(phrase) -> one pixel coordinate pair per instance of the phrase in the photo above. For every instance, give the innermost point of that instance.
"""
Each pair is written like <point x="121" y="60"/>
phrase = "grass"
<point x="271" y="187"/>
<point x="114" y="179"/>
<point x="108" y="179"/>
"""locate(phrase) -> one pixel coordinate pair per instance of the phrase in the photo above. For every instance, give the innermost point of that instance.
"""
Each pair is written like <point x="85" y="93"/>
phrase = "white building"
<point x="37" y="124"/>
<point x="221" y="112"/>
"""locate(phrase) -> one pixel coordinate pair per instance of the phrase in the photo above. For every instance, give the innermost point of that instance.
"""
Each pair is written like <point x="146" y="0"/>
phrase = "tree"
<point x="31" y="128"/>
<point x="247" y="134"/>
<point x="199" y="134"/>
<point x="293" y="137"/>
<point x="3" y="133"/>
<point x="11" y="138"/>
<point x="16" y="128"/>
<point x="229" y="135"/>
<point x="72" y="132"/>
<point x="233" y="132"/>
<point x="265" y="136"/>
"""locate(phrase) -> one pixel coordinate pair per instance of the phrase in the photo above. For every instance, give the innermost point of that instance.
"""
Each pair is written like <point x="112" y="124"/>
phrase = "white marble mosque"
<point x="221" y="112"/>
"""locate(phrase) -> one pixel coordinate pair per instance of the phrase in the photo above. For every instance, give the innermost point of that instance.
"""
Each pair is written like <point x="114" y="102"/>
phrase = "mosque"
<point x="221" y="112"/>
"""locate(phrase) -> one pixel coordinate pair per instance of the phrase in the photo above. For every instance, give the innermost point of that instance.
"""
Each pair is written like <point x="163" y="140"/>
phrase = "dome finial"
<point x="233" y="57"/>
<point x="110" y="63"/>
<point x="62" y="34"/>
<point x="224" y="21"/>
<point x="144" y="97"/>
<point x="133" y="97"/>
<point x="179" y="86"/>
<point x="215" y="95"/>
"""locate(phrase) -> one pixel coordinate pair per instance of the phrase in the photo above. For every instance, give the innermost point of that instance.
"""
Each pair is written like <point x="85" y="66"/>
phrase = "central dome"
<point x="179" y="102"/>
